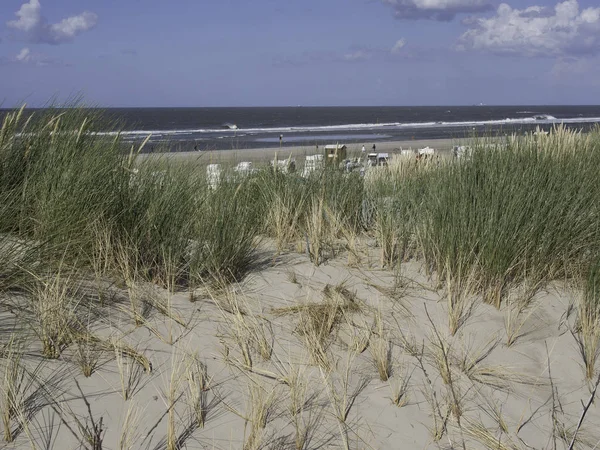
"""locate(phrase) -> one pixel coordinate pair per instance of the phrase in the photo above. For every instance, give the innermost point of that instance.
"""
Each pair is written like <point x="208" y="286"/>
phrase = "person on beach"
<point x="363" y="149"/>
<point x="373" y="148"/>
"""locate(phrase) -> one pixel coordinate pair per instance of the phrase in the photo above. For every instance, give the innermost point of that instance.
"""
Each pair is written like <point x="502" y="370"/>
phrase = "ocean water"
<point x="182" y="129"/>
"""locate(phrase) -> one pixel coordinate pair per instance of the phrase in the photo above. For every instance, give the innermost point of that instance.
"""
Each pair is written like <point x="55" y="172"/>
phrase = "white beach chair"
<point x="213" y="175"/>
<point x="311" y="164"/>
<point x="244" y="168"/>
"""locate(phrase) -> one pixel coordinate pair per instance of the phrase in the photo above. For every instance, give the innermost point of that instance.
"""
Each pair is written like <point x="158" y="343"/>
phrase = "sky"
<point x="304" y="52"/>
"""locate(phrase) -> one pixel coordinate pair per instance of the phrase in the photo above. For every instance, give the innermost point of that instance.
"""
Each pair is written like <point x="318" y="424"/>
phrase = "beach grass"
<point x="88" y="230"/>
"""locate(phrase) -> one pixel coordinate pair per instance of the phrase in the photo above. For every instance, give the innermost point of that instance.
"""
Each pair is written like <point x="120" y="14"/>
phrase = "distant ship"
<point x="231" y="126"/>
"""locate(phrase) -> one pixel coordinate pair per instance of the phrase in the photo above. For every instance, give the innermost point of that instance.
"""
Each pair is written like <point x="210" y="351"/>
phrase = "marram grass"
<point x="528" y="209"/>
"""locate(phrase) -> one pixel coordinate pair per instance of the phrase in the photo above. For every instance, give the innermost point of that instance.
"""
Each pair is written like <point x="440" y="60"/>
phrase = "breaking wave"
<point x="539" y="119"/>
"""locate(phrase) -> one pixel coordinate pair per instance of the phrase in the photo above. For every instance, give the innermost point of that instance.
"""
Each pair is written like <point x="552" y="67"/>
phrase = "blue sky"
<point x="311" y="52"/>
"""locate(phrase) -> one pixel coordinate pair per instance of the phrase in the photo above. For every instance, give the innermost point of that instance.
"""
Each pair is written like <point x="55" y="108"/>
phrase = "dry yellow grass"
<point x="399" y="387"/>
<point x="259" y="409"/>
<point x="381" y="349"/>
<point x="54" y="301"/>
<point x="130" y="430"/>
<point x="317" y="321"/>
<point x="198" y="385"/>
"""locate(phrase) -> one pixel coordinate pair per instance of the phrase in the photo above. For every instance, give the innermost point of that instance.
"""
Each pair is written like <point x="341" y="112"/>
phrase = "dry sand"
<point x="263" y="155"/>
<point x="505" y="390"/>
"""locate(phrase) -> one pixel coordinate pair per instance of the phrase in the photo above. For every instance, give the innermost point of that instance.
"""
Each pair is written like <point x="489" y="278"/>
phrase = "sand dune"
<point x="295" y="356"/>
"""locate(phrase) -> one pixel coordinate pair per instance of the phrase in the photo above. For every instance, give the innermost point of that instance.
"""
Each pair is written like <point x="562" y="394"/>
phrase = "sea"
<point x="201" y="129"/>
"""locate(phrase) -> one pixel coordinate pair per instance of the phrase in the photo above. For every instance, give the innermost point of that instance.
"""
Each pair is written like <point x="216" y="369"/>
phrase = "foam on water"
<point x="542" y="119"/>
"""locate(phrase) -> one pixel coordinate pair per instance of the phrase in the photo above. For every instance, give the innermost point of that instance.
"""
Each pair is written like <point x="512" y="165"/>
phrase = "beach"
<point x="264" y="155"/>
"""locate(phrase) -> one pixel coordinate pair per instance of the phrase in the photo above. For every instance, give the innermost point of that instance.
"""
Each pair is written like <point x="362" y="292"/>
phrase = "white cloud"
<point x="443" y="10"/>
<point x="29" y="16"/>
<point x="70" y="27"/>
<point x="358" y="55"/>
<point x="24" y="55"/>
<point x="536" y="31"/>
<point x="27" y="57"/>
<point x="399" y="45"/>
<point x="36" y="29"/>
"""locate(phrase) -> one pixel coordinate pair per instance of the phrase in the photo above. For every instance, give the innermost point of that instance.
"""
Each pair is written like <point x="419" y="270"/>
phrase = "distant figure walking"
<point x="363" y="149"/>
<point x="373" y="148"/>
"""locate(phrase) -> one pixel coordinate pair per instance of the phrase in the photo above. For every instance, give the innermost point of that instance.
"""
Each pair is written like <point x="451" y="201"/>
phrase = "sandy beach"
<point x="263" y="155"/>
